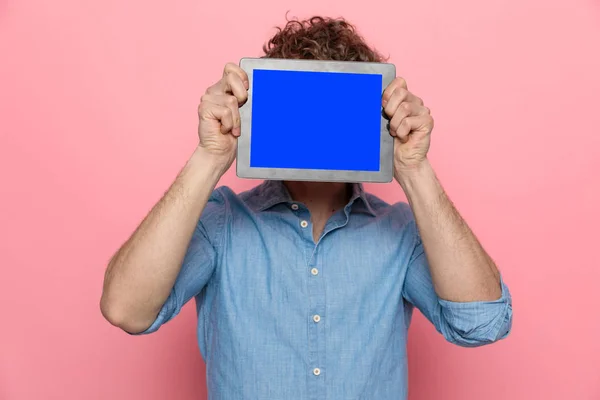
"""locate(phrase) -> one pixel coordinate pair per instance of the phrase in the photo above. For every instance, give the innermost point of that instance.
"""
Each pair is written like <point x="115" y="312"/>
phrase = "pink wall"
<point x="97" y="115"/>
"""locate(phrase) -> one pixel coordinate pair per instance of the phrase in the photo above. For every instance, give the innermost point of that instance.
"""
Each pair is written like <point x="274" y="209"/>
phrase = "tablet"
<point x="313" y="120"/>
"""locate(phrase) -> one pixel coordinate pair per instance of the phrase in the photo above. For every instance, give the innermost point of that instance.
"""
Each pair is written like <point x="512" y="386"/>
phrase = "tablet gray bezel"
<point x="243" y="169"/>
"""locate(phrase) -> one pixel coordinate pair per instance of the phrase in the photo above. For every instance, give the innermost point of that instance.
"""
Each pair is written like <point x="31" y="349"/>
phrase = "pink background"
<point x="98" y="113"/>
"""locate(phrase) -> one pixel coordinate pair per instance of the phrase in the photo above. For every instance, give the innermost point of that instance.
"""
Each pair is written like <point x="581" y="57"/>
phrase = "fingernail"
<point x="384" y="102"/>
<point x="247" y="84"/>
<point x="236" y="131"/>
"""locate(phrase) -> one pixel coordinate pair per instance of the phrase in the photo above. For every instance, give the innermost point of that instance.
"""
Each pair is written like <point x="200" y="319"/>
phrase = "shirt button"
<point x="304" y="224"/>
<point x="317" y="371"/>
<point x="314" y="271"/>
<point x="316" y="318"/>
<point x="294" y="207"/>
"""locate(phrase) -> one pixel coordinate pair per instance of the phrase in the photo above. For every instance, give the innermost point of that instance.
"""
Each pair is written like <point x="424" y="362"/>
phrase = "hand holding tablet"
<point x="219" y="117"/>
<point x="315" y="121"/>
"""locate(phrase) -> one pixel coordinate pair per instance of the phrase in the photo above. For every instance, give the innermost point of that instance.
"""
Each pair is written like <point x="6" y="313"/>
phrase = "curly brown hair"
<point x="320" y="38"/>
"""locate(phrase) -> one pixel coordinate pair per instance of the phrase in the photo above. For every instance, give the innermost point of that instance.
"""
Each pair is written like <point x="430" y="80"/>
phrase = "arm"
<point x="468" y="323"/>
<point x="461" y="270"/>
<point x="140" y="276"/>
<point x="141" y="282"/>
<point x="450" y="277"/>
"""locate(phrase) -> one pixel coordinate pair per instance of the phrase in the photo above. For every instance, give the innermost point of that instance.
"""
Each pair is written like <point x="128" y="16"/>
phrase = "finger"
<point x="399" y="96"/>
<point x="387" y="93"/>
<point x="231" y="103"/>
<point x="231" y="68"/>
<point x="404" y="110"/>
<point x="230" y="84"/>
<point x="231" y="72"/>
<point x="236" y="87"/>
<point x="212" y="111"/>
<point x="412" y="124"/>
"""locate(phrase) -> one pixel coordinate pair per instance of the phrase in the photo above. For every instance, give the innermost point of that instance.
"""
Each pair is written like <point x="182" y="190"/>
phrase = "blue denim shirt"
<point x="280" y="317"/>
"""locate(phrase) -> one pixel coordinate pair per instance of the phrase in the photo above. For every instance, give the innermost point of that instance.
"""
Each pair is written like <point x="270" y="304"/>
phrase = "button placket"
<point x="316" y="306"/>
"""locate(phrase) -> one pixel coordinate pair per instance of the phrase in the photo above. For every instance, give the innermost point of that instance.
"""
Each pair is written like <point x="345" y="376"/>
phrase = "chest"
<point x="278" y="262"/>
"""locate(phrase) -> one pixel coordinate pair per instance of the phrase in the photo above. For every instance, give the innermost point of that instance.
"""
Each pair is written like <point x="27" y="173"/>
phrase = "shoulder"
<point x="397" y="220"/>
<point x="399" y="213"/>
<point x="214" y="213"/>
<point x="222" y="208"/>
<point x="225" y="199"/>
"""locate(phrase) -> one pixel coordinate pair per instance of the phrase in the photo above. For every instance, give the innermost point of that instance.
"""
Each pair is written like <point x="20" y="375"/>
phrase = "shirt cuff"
<point x="479" y="322"/>
<point x="163" y="316"/>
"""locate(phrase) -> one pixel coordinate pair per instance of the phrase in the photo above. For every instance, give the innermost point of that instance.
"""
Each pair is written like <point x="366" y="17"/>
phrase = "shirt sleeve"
<point x="468" y="324"/>
<point x="199" y="262"/>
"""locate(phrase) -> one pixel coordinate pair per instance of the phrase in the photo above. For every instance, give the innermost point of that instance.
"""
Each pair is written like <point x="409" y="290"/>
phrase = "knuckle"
<point x="230" y="78"/>
<point x="400" y="93"/>
<point x="231" y="101"/>
<point x="211" y="89"/>
<point x="233" y="71"/>
<point x="229" y="67"/>
<point x="406" y="106"/>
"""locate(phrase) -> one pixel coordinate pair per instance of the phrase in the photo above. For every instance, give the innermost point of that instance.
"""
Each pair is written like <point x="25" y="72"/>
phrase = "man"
<point x="305" y="290"/>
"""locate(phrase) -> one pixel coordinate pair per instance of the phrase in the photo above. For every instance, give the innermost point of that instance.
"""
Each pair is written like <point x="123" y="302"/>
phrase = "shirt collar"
<point x="272" y="192"/>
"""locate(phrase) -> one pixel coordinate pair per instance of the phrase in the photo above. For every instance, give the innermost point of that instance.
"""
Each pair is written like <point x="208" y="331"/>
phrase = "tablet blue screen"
<point x="316" y="120"/>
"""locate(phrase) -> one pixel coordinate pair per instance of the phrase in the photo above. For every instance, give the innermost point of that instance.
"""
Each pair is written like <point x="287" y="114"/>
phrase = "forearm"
<point x="140" y="276"/>
<point x="460" y="268"/>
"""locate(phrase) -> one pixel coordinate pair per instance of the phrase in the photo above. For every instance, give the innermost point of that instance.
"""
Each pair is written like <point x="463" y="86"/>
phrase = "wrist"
<point x="208" y="165"/>
<point x="420" y="184"/>
<point x="408" y="175"/>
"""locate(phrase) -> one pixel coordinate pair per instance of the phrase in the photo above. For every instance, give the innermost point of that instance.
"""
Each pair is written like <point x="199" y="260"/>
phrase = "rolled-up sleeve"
<point x="467" y="324"/>
<point x="199" y="262"/>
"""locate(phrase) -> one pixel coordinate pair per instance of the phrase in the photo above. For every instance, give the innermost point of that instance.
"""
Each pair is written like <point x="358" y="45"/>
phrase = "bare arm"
<point x="460" y="268"/>
<point x="140" y="276"/>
